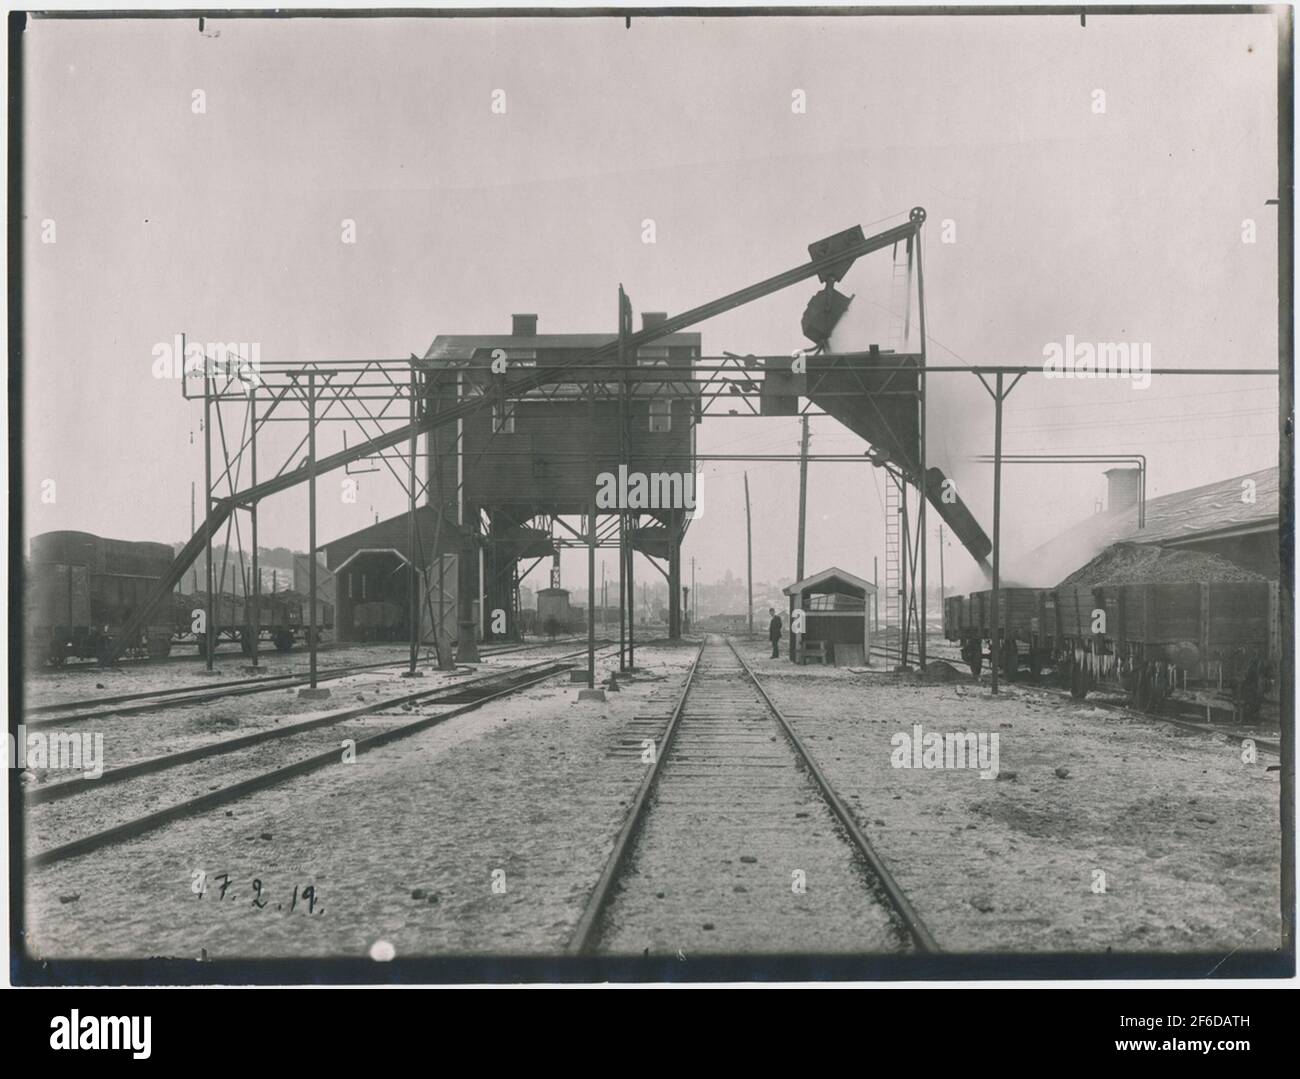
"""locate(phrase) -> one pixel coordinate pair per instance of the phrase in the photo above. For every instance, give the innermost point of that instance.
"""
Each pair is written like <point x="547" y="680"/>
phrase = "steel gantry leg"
<point x="413" y="592"/>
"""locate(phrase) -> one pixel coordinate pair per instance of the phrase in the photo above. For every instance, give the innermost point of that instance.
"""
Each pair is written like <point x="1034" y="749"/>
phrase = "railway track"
<point x="125" y="704"/>
<point x="467" y="696"/>
<point x="736" y="841"/>
<point x="233" y="653"/>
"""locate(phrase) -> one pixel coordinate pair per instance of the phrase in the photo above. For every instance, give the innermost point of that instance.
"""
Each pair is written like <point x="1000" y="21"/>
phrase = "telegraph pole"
<point x="803" y="498"/>
<point x="749" y="556"/>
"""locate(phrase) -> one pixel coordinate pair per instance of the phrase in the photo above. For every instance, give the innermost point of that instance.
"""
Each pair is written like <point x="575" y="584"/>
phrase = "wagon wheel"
<point x="283" y="641"/>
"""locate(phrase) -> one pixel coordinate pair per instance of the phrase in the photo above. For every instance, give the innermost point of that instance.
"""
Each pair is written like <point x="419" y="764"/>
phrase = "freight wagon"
<point x="282" y="619"/>
<point x="81" y="589"/>
<point x="1148" y="639"/>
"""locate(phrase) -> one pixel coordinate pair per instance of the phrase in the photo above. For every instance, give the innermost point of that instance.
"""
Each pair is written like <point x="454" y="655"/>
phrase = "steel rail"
<point x="152" y="765"/>
<point x="916" y="928"/>
<point x="187" y="694"/>
<point x="585" y="933"/>
<point x="134" y="828"/>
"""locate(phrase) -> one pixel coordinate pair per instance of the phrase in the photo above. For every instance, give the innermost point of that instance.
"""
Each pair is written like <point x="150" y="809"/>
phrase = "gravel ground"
<point x="1186" y="833"/>
<point x="403" y="847"/>
<point x="738" y="852"/>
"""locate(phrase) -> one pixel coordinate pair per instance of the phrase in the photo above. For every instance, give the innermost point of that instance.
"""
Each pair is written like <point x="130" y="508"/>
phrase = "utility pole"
<point x="803" y="498"/>
<point x="749" y="556"/>
<point x="695" y="603"/>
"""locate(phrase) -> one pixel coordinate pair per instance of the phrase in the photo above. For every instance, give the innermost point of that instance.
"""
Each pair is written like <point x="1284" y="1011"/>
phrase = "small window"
<point x="661" y="416"/>
<point x="503" y="419"/>
<point x="652" y="356"/>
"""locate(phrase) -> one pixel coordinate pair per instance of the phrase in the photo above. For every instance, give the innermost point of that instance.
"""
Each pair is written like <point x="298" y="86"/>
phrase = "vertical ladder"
<point x="893" y="635"/>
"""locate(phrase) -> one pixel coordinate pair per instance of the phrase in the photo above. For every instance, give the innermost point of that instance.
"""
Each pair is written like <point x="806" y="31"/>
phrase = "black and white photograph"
<point x="528" y="496"/>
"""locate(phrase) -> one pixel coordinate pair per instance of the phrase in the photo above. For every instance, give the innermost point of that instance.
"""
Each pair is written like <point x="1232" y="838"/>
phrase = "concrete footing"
<point x="591" y="694"/>
<point x="309" y="694"/>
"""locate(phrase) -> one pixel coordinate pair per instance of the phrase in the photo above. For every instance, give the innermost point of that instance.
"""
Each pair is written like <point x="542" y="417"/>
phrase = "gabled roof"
<point x="1210" y="511"/>
<point x="827" y="576"/>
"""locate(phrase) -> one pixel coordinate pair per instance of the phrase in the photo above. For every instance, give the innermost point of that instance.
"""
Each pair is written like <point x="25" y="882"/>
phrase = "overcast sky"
<point x="1117" y="226"/>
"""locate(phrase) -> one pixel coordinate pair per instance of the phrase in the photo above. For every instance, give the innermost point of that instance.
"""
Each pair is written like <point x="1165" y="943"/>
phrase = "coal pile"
<point x="939" y="672"/>
<point x="1144" y="563"/>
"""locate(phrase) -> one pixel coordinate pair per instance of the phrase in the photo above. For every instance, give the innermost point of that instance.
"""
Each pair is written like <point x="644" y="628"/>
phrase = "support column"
<point x="256" y="620"/>
<point x="412" y="569"/>
<point x="311" y="691"/>
<point x="995" y="648"/>
<point x="210" y="619"/>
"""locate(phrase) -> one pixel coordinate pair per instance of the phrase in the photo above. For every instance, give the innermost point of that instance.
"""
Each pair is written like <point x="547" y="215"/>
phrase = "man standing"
<point x="774" y="632"/>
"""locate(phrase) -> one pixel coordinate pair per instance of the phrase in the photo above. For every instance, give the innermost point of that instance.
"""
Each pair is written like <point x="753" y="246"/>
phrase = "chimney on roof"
<point x="653" y="318"/>
<point x="523" y="325"/>
<point x="1123" y="489"/>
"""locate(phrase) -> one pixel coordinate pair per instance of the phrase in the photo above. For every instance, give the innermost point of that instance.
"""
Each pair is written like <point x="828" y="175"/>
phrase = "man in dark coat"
<point x="774" y="632"/>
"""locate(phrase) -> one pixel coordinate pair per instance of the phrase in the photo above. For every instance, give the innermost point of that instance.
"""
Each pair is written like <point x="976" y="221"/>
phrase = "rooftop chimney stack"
<point x="1123" y="489"/>
<point x="523" y="325"/>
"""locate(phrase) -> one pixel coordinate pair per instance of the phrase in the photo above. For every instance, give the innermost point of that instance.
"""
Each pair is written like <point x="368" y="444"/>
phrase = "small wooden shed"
<point x="837" y="608"/>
